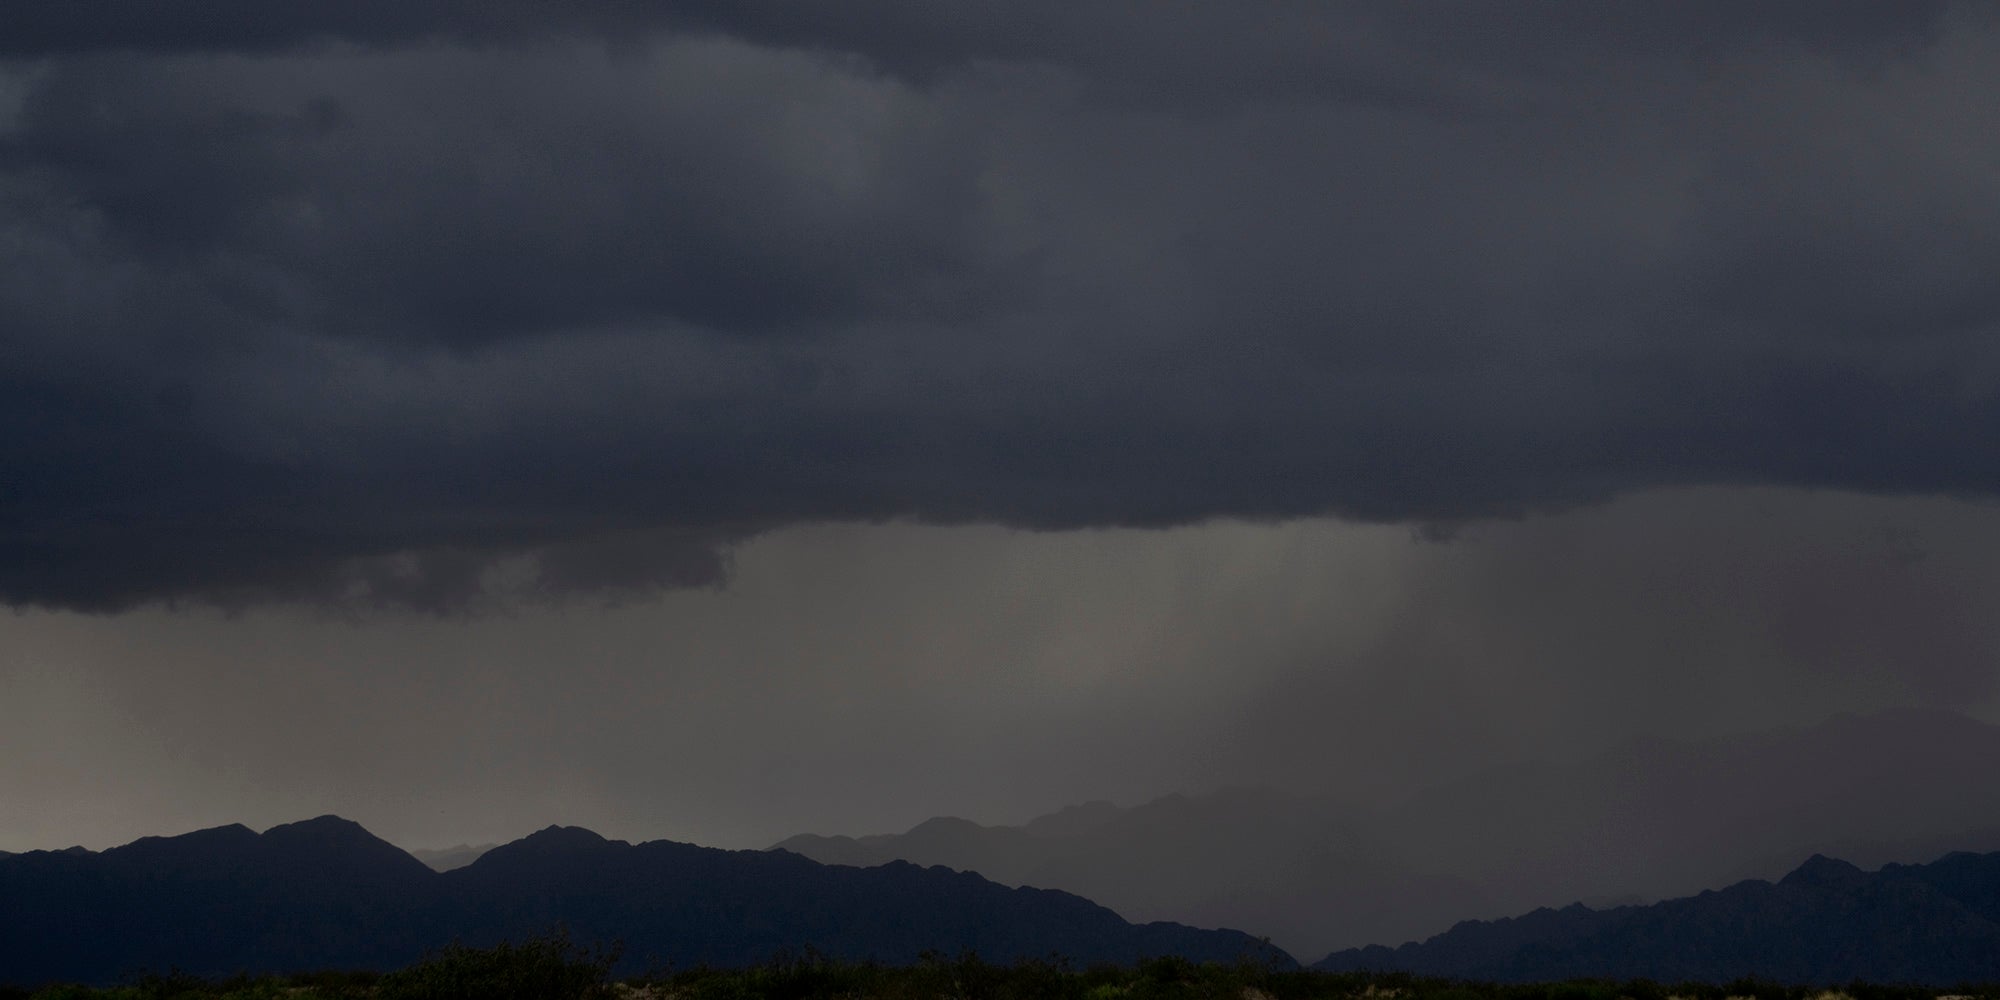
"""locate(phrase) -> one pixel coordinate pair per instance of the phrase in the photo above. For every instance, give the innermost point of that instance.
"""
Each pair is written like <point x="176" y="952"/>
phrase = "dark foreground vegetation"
<point x="555" y="968"/>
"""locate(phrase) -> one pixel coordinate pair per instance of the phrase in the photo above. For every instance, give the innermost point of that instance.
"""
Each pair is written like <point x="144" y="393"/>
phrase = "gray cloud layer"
<point x="413" y="303"/>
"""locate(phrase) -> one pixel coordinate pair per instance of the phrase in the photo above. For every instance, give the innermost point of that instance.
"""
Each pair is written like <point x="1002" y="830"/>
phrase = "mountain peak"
<point x="338" y="848"/>
<point x="324" y="829"/>
<point x="944" y="825"/>
<point x="547" y="849"/>
<point x="573" y="832"/>
<point x="1822" y="872"/>
<point x="563" y="838"/>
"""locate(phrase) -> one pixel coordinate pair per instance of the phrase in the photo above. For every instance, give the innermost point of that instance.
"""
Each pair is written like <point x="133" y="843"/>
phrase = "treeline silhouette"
<point x="553" y="967"/>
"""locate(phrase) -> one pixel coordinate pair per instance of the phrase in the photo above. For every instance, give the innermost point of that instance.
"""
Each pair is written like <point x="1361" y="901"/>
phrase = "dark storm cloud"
<point x="46" y="27"/>
<point x="1354" y="49"/>
<point x="413" y="303"/>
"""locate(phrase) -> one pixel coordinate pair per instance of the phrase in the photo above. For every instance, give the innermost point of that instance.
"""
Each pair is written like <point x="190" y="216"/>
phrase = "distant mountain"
<point x="1654" y="819"/>
<point x="1004" y="854"/>
<point x="1074" y="821"/>
<point x="1660" y="818"/>
<point x="1301" y="870"/>
<point x="327" y="894"/>
<point x="444" y="859"/>
<point x="1827" y="922"/>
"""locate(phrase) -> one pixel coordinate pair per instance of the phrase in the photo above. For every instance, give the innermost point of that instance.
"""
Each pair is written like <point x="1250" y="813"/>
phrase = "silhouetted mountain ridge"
<point x="1826" y="922"/>
<point x="325" y="893"/>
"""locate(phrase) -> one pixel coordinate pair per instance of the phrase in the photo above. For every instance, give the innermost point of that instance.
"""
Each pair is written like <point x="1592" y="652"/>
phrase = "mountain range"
<point x="326" y="893"/>
<point x="1827" y="922"/>
<point x="1655" y="819"/>
<point x="1651" y="820"/>
<point x="1302" y="870"/>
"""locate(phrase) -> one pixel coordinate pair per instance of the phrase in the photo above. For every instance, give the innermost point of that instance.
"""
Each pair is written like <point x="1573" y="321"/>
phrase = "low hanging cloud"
<point x="425" y="304"/>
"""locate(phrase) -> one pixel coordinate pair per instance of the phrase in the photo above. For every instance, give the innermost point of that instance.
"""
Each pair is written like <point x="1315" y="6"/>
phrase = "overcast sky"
<point x="752" y="418"/>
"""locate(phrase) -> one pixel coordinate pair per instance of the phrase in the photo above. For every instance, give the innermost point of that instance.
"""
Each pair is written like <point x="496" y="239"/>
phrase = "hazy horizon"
<point x="1360" y="805"/>
<point x="1655" y="819"/>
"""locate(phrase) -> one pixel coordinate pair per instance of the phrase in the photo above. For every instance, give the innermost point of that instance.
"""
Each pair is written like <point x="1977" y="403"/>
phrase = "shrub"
<point x="547" y="968"/>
